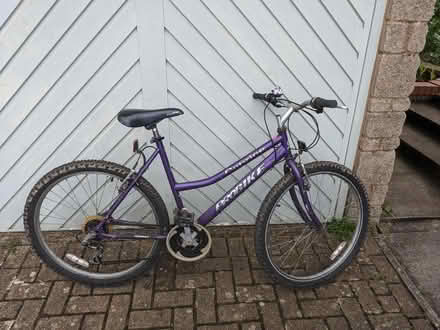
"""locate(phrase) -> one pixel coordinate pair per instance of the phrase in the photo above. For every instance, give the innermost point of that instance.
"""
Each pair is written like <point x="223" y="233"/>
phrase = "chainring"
<point x="189" y="253"/>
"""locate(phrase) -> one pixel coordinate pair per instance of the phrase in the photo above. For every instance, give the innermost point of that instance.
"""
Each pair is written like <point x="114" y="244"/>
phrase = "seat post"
<point x="156" y="134"/>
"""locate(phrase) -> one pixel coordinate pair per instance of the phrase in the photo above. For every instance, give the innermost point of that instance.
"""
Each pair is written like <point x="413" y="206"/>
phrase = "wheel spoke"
<point x="61" y="216"/>
<point x="304" y="252"/>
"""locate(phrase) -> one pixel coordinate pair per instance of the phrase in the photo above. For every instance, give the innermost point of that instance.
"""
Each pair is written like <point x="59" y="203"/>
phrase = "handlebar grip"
<point x="319" y="103"/>
<point x="259" y="96"/>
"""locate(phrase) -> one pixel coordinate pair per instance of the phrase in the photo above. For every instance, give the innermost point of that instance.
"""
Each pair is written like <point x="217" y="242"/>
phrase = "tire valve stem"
<point x="338" y="250"/>
<point x="76" y="260"/>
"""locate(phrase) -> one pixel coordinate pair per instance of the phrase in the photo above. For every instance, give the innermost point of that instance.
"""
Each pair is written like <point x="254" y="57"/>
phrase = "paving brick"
<point x="288" y="302"/>
<point x="80" y="289"/>
<point x="6" y="325"/>
<point x="353" y="312"/>
<point x="7" y="276"/>
<point x="192" y="281"/>
<point x="334" y="290"/>
<point x="254" y="263"/>
<point x="9" y="309"/>
<point x="215" y="264"/>
<point x="32" y="260"/>
<point x="173" y="298"/>
<point x="366" y="297"/>
<point x="165" y="274"/>
<point x="363" y="258"/>
<point x="142" y="296"/>
<point x="219" y="327"/>
<point x="236" y="247"/>
<point x="93" y="322"/>
<point x="118" y="312"/>
<point x="237" y="312"/>
<point x="385" y="268"/>
<point x="59" y="322"/>
<point x="126" y="287"/>
<point x="219" y="248"/>
<point x="379" y="287"/>
<point x="28" y="314"/>
<point x="28" y="275"/>
<point x="150" y="319"/>
<point x="205" y="306"/>
<point x="57" y="298"/>
<point x="20" y="290"/>
<point x="389" y="304"/>
<point x="305" y="294"/>
<point x="16" y="257"/>
<point x="224" y="287"/>
<point x="249" y="244"/>
<point x="389" y="321"/>
<point x="370" y="272"/>
<point x="421" y="324"/>
<point x="312" y="324"/>
<point x="183" y="319"/>
<point x="3" y="254"/>
<point x="320" y="308"/>
<point x="351" y="273"/>
<point x="261" y="277"/>
<point x="251" y="326"/>
<point x="271" y="315"/>
<point x="46" y="274"/>
<point x="241" y="270"/>
<point x="371" y="247"/>
<point x="87" y="304"/>
<point x="183" y="267"/>
<point x="405" y="300"/>
<point x="338" y="323"/>
<point x="255" y="293"/>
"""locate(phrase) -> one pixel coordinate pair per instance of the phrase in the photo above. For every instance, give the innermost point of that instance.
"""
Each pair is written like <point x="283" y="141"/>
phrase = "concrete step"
<point x="422" y="137"/>
<point x="428" y="111"/>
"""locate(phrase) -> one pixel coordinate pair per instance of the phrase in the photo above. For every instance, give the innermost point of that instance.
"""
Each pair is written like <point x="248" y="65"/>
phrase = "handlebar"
<point x="319" y="103"/>
<point x="316" y="103"/>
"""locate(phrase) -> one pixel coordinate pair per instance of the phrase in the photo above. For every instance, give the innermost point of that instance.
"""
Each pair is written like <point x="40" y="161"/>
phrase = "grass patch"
<point x="342" y="228"/>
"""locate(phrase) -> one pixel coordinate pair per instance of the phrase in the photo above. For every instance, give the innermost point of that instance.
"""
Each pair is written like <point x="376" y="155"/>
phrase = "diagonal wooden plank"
<point x="37" y="47"/>
<point x="65" y="126"/>
<point x="19" y="25"/>
<point x="62" y="76"/>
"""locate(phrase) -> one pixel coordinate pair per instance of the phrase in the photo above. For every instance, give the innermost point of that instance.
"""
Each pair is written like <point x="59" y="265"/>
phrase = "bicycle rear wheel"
<point x="68" y="202"/>
<point x="293" y="252"/>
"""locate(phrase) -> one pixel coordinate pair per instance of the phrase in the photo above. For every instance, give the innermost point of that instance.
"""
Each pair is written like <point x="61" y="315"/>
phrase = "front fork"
<point x="301" y="180"/>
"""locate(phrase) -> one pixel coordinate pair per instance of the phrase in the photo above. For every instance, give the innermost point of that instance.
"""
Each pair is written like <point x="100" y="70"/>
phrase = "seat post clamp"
<point x="156" y="136"/>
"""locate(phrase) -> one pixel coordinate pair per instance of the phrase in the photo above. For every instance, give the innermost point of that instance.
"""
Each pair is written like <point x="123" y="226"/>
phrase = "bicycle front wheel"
<point x="296" y="253"/>
<point x="68" y="202"/>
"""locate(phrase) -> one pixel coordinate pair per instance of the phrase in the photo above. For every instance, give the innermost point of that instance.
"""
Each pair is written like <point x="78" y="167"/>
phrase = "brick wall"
<point x="403" y="38"/>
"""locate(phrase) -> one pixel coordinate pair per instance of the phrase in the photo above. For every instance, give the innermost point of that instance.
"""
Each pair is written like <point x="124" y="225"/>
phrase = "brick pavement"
<point x="227" y="290"/>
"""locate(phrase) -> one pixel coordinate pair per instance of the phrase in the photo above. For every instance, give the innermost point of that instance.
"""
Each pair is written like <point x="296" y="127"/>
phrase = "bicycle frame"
<point x="281" y="151"/>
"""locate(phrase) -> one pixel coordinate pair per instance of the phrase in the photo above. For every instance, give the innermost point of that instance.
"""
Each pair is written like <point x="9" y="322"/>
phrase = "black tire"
<point x="268" y="206"/>
<point x="40" y="248"/>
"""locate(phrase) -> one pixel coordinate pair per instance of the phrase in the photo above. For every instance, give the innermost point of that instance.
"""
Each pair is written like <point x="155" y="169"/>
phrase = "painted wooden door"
<point x="67" y="68"/>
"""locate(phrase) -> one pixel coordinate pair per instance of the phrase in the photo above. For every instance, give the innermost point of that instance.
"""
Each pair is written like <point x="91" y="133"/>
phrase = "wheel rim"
<point x="61" y="212"/>
<point x="296" y="250"/>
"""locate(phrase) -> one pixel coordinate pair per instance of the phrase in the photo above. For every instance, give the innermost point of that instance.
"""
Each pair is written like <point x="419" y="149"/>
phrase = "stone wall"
<point x="403" y="38"/>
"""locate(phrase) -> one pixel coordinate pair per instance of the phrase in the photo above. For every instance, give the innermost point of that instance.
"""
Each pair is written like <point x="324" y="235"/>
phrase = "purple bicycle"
<point x="101" y="223"/>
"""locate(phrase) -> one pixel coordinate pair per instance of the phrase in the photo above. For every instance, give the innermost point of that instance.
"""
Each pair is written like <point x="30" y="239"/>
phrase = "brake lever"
<point x="343" y="107"/>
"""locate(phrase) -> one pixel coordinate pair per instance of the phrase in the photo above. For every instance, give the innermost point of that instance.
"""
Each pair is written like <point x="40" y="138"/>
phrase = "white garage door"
<point x="67" y="68"/>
